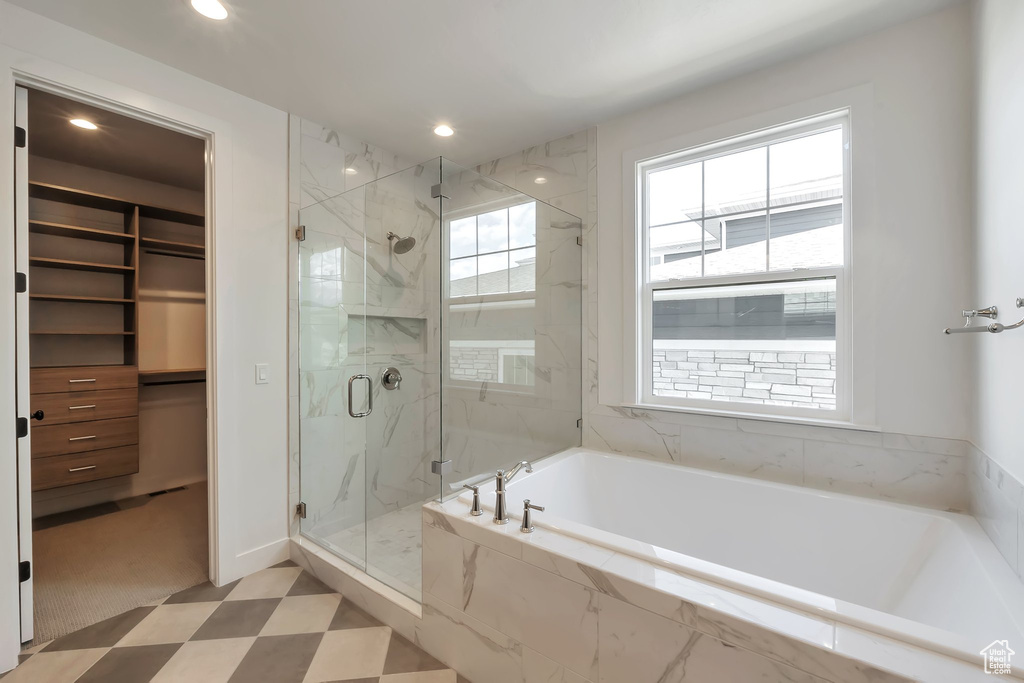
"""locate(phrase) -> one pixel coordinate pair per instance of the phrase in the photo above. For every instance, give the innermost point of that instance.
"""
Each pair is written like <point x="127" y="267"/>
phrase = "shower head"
<point x="401" y="245"/>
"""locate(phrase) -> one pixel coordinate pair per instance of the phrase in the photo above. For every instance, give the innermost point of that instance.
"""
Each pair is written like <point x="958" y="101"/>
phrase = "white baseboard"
<point x="254" y="560"/>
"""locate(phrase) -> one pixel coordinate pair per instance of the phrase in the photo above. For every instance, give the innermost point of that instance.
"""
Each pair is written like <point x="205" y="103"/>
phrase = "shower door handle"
<point x="369" y="395"/>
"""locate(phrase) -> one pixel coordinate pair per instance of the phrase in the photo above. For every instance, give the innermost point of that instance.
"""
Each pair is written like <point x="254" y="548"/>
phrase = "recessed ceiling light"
<point x="444" y="131"/>
<point x="83" y="123"/>
<point x="211" y="9"/>
<point x="541" y="180"/>
<point x="351" y="171"/>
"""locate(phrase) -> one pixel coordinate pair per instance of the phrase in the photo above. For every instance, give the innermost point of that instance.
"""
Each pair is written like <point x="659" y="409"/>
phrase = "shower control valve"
<point x="390" y="378"/>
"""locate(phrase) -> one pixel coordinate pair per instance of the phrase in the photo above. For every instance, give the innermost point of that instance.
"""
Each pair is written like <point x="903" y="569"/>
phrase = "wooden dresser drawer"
<point x="83" y="406"/>
<point x="88" y="378"/>
<point x="76" y="437"/>
<point x="77" y="468"/>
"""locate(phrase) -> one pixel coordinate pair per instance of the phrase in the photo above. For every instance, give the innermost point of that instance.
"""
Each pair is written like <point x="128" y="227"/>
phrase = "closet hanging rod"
<point x="174" y="254"/>
<point x="994" y="328"/>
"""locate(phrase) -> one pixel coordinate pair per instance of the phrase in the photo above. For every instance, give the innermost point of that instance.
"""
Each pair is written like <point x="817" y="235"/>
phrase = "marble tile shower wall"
<point x="386" y="321"/>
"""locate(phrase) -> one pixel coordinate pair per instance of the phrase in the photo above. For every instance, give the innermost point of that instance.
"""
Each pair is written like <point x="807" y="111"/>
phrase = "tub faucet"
<point x="500" y="479"/>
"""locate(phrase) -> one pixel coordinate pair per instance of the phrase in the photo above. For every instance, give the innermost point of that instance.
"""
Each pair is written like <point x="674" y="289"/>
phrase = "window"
<point x="742" y="271"/>
<point x="494" y="252"/>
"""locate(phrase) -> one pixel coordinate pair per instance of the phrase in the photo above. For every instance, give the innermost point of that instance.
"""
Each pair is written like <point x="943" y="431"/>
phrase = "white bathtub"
<point x="925" y="577"/>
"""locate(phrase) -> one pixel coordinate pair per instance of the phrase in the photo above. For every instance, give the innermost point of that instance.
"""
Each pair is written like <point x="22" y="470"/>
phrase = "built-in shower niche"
<point x="383" y="335"/>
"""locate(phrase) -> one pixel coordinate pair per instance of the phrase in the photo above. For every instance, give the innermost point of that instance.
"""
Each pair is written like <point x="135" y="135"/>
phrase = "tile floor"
<point x="279" y="625"/>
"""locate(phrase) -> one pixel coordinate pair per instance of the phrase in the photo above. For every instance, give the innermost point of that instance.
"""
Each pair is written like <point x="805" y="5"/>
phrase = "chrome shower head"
<point x="401" y="245"/>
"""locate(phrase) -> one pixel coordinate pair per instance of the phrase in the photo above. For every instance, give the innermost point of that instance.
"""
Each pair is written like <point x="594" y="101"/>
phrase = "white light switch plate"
<point x="262" y="373"/>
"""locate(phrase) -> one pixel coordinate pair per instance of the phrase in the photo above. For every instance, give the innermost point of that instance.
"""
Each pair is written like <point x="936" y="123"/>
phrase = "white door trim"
<point x="70" y="83"/>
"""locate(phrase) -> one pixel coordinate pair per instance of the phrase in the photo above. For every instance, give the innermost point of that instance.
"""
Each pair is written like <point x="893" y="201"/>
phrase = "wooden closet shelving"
<point x="75" y="299"/>
<point x="78" y="232"/>
<point x="79" y="265"/>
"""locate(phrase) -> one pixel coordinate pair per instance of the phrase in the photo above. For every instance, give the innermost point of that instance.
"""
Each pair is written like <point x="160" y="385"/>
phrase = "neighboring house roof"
<point x="799" y="250"/>
<point x="520" y="278"/>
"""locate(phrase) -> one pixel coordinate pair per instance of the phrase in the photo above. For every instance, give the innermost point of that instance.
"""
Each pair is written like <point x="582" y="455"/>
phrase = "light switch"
<point x="262" y="373"/>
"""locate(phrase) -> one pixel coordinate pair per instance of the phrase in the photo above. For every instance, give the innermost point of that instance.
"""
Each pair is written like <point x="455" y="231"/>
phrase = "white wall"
<point x="249" y="252"/>
<point x="999" y="227"/>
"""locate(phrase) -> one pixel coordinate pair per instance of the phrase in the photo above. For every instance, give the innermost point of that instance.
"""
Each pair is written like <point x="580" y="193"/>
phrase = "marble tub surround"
<point x="651" y="623"/>
<point x="997" y="502"/>
<point x="903" y="468"/>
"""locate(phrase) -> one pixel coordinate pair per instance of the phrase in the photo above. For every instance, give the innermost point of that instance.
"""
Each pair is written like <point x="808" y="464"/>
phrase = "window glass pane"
<point x="675" y="194"/>
<point x="492" y="231"/>
<point x="493" y="277"/>
<point x="736" y="182"/>
<point x="807" y="236"/>
<point x="463" y="237"/>
<point x="736" y="244"/>
<point x="807" y="169"/>
<point x="522" y="274"/>
<point x="522" y="225"/>
<point x="766" y="343"/>
<point x="462" y="275"/>
<point x="675" y="251"/>
<point x="807" y="182"/>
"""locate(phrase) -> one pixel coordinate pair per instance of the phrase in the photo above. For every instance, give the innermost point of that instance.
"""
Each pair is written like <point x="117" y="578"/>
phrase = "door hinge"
<point x="300" y="233"/>
<point x="579" y="241"/>
<point x="24" y="571"/>
<point x="441" y="467"/>
<point x="300" y="510"/>
<point x="20" y="283"/>
<point x="20" y="137"/>
<point x="22" y="427"/>
<point x="439" y="191"/>
<point x="579" y="423"/>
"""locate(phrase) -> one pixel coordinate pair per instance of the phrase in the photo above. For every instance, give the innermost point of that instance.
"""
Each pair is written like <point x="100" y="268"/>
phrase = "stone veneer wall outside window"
<point x="797" y="378"/>
<point x="476" y="364"/>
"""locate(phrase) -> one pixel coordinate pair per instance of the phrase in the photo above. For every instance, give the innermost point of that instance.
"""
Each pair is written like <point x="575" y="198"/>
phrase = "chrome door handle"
<point x="369" y="395"/>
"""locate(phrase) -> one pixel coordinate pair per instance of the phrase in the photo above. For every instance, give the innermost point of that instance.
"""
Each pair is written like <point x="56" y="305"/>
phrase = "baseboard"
<point x="254" y="560"/>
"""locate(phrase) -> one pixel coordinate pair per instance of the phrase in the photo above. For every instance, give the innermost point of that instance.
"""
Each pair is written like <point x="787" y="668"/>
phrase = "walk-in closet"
<point x="117" y="348"/>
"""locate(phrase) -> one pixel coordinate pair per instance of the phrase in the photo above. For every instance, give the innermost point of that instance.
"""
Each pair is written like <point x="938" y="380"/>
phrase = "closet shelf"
<point x="79" y="265"/>
<point x="164" y="246"/>
<point x="78" y="232"/>
<point x="95" y="200"/>
<point x="68" y="298"/>
<point x="82" y="333"/>
<point x="172" y="376"/>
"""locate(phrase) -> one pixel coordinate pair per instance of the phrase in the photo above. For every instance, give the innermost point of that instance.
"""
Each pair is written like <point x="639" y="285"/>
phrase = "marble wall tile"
<point x="636" y="645"/>
<point x="474" y="649"/>
<point x="997" y="502"/>
<point x="480" y="530"/>
<point x="538" y="668"/>
<point x="552" y="615"/>
<point x="928" y="479"/>
<point x="775" y="458"/>
<point x="657" y="440"/>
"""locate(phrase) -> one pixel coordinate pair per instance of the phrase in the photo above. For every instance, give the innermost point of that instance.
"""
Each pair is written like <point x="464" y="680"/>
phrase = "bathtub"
<point x="928" y="578"/>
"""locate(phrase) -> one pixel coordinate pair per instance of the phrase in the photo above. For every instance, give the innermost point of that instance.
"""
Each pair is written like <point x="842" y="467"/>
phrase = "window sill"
<point x="759" y="417"/>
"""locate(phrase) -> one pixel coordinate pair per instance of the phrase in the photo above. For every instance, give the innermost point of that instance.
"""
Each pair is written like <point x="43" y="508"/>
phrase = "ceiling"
<point x="506" y="74"/>
<point x="120" y="144"/>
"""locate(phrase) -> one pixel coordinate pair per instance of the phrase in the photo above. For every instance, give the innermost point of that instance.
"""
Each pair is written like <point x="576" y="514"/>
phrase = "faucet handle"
<point x="476" y="511"/>
<point x="527" y="527"/>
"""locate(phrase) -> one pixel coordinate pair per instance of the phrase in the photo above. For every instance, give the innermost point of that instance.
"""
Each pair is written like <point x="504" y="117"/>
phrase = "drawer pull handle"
<point x="78" y="381"/>
<point x="79" y="469"/>
<point x="81" y="438"/>
<point x="91" y="405"/>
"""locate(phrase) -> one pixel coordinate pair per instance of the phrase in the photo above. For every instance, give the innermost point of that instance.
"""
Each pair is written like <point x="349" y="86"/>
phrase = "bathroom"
<point x="482" y="405"/>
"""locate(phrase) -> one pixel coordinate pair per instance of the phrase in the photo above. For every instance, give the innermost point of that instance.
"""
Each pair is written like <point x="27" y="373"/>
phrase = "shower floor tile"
<point x="277" y="625"/>
<point x="391" y="545"/>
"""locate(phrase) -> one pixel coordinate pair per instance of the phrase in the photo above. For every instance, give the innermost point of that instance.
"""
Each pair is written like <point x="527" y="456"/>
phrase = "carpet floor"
<point x="95" y="563"/>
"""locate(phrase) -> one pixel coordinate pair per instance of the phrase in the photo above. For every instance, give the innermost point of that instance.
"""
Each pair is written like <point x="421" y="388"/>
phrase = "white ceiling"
<point x="505" y="74"/>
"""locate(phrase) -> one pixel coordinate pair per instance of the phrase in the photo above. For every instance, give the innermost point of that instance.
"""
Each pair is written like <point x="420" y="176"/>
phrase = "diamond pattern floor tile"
<point x="279" y="625"/>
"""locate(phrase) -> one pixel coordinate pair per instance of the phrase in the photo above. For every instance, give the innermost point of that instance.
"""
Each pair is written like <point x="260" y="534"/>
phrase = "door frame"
<point x="73" y="84"/>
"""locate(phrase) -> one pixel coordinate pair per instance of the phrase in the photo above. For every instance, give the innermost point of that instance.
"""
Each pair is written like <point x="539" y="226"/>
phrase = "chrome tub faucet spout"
<point x="500" y="479"/>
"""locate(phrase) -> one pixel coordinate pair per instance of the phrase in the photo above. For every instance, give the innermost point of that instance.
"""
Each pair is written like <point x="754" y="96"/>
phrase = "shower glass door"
<point x="332" y="364"/>
<point x="370" y="301"/>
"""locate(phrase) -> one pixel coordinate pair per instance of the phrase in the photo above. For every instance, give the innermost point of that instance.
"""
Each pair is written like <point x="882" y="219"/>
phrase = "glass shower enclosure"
<point x="439" y="331"/>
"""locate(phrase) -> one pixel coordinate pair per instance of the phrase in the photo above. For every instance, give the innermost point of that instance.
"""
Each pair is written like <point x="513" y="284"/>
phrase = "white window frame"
<point x="644" y="389"/>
